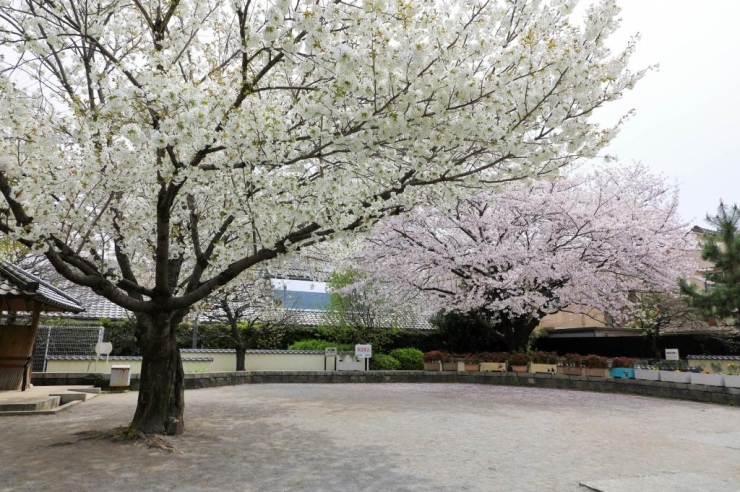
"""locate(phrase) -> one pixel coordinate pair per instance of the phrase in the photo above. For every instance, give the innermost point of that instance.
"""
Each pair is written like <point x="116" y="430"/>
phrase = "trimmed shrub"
<point x="384" y="362"/>
<point x="411" y="359"/>
<point x="320" y="345"/>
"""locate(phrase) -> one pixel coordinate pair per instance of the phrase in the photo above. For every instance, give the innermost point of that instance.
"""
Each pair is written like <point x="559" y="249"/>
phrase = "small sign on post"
<point x="330" y="352"/>
<point x="671" y="354"/>
<point x="363" y="351"/>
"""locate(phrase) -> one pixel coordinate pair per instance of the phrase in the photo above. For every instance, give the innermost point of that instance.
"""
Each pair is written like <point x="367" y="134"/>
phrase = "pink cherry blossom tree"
<point x="583" y="240"/>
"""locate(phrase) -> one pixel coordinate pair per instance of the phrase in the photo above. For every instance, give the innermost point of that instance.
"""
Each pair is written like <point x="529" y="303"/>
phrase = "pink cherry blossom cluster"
<point x="581" y="240"/>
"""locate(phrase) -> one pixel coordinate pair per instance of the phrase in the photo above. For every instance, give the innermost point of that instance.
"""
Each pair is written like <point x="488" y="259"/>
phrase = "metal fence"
<point x="64" y="340"/>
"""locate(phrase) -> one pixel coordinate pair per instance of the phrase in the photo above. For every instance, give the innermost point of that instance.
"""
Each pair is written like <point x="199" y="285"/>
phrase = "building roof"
<point x="22" y="291"/>
<point x="96" y="307"/>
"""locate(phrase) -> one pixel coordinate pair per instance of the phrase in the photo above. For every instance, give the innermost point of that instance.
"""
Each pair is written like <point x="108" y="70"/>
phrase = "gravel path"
<point x="382" y="437"/>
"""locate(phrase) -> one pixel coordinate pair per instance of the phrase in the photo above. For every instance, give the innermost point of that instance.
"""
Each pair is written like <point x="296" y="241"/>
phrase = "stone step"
<point x="86" y="389"/>
<point x="68" y="396"/>
<point x="48" y="403"/>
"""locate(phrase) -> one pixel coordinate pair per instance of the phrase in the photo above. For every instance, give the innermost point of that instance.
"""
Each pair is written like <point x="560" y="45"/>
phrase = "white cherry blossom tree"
<point x="591" y="240"/>
<point x="153" y="150"/>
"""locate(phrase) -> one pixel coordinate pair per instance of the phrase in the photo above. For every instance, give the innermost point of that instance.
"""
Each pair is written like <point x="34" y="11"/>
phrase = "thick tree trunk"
<point x="241" y="352"/>
<point x="161" y="405"/>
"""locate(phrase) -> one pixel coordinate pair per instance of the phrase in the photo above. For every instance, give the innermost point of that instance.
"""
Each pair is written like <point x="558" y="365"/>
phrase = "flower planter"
<point x="708" y="379"/>
<point x="675" y="377"/>
<point x="472" y="367"/>
<point x="433" y="366"/>
<point x="598" y="372"/>
<point x="572" y="371"/>
<point x="547" y="368"/>
<point x="519" y="368"/>
<point x="622" y="373"/>
<point x="732" y="381"/>
<point x="493" y="366"/>
<point x="647" y="374"/>
<point x="453" y="366"/>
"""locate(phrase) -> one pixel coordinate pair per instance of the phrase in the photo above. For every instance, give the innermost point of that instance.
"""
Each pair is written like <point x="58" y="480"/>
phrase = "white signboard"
<point x="363" y="351"/>
<point x="330" y="352"/>
<point x="671" y="354"/>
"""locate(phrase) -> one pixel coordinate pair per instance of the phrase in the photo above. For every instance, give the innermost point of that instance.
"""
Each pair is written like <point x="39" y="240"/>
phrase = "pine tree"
<point x="722" y="248"/>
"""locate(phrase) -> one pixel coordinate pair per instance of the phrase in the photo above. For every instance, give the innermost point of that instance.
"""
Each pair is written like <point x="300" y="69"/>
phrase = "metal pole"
<point x="46" y="349"/>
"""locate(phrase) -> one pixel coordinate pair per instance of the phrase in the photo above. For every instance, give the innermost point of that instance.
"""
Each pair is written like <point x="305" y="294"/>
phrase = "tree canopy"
<point x="721" y="247"/>
<point x="154" y="150"/>
<point x="588" y="239"/>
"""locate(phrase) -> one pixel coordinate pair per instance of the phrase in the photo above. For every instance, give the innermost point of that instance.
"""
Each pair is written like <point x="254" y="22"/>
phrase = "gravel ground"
<point x="383" y="437"/>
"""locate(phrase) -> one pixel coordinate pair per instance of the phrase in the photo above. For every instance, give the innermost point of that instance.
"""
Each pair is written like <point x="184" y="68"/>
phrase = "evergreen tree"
<point x="722" y="248"/>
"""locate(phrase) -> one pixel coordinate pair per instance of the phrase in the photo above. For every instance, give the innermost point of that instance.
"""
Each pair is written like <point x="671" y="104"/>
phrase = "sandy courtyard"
<point x="380" y="437"/>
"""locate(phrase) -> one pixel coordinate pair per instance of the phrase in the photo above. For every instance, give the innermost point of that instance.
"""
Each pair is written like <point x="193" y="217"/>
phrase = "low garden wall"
<point x="202" y="360"/>
<point x="680" y="391"/>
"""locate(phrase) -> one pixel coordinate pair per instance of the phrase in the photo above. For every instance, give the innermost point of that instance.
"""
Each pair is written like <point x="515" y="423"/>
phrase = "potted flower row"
<point x="589" y="365"/>
<point x="679" y="372"/>
<point x="436" y="360"/>
<point x="535" y="362"/>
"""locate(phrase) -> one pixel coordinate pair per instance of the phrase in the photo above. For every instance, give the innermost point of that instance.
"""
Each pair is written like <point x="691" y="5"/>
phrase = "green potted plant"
<point x="595" y="365"/>
<point x="714" y="377"/>
<point x="646" y="371"/>
<point x="433" y="360"/>
<point x="493" y="361"/>
<point x="572" y="365"/>
<point x="732" y="375"/>
<point x="519" y="362"/>
<point x="674" y="371"/>
<point x="546" y="362"/>
<point x="622" y="368"/>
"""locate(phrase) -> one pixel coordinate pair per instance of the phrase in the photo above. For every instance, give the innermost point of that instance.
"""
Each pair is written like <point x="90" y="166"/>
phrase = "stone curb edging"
<point x="661" y="389"/>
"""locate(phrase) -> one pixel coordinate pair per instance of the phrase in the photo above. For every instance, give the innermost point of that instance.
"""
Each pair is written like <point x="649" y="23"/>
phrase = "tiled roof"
<point x="714" y="357"/>
<point x="208" y="351"/>
<point x="317" y="317"/>
<point x="409" y="321"/>
<point x="299" y="352"/>
<point x="120" y="358"/>
<point x="96" y="307"/>
<point x="21" y="291"/>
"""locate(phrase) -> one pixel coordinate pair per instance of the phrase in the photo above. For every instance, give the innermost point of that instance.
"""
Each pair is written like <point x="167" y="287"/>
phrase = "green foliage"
<point x="320" y="345"/>
<point x="410" y="359"/>
<point x="722" y="248"/>
<point x="672" y="365"/>
<point x="464" y="333"/>
<point x="11" y="250"/>
<point x="384" y="362"/>
<point x="121" y="333"/>
<point x="379" y="338"/>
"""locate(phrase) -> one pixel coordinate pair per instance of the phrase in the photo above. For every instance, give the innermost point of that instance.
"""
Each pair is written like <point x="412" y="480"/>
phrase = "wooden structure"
<point x="25" y="294"/>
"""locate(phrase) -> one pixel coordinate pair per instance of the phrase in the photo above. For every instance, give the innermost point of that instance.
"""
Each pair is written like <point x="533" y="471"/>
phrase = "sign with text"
<point x="330" y="352"/>
<point x="671" y="354"/>
<point x="363" y="351"/>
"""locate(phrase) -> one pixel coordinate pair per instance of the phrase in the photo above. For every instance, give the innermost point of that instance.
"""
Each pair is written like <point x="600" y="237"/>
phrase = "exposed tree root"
<point x="123" y="434"/>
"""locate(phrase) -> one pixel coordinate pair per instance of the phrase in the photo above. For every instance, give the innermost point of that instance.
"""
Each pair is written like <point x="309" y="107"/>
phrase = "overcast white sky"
<point x="688" y="112"/>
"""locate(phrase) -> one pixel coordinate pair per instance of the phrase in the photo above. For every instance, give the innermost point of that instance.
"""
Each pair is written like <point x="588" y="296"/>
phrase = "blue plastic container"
<point x="623" y="373"/>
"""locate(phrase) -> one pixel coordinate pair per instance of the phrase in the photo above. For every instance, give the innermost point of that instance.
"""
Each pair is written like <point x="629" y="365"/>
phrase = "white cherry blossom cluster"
<point x="157" y="149"/>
